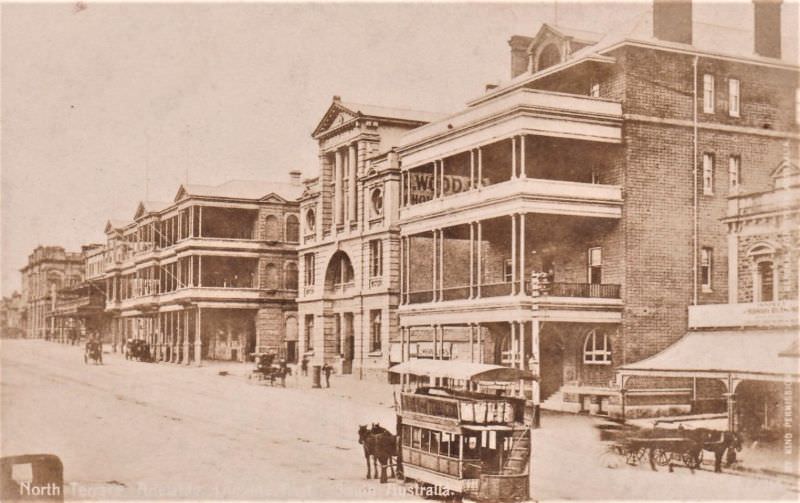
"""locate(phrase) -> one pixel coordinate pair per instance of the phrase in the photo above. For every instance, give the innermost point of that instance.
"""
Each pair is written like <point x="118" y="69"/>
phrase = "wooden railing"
<point x="587" y="290"/>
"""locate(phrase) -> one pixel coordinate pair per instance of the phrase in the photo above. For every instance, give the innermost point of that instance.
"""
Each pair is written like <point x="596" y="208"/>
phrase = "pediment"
<point x="272" y="198"/>
<point x="336" y="115"/>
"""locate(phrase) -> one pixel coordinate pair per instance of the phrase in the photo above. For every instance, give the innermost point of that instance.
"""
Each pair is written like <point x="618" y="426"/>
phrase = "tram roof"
<point x="465" y="371"/>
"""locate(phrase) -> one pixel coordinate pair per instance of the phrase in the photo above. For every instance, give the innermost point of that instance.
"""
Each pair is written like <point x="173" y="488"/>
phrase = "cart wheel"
<point x="632" y="457"/>
<point x="661" y="457"/>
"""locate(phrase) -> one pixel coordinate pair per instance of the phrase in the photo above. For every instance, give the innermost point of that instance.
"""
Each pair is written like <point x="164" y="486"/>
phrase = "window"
<point x="706" y="256"/>
<point x="708" y="93"/>
<point x="594" y="89"/>
<point x="733" y="97"/>
<point x="291" y="276"/>
<point x="549" y="56"/>
<point x="595" y="265"/>
<point x="309" y="332"/>
<point x="311" y="220"/>
<point x="292" y="229"/>
<point x="765" y="282"/>
<point x="734" y="173"/>
<point x="377" y="202"/>
<point x="308" y="260"/>
<point x="375" y="330"/>
<point x="271" y="228"/>
<point x="708" y="174"/>
<point x="597" y="348"/>
<point x="375" y="258"/>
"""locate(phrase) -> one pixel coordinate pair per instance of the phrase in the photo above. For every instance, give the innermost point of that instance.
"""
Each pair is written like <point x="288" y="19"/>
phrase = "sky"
<point x="105" y="105"/>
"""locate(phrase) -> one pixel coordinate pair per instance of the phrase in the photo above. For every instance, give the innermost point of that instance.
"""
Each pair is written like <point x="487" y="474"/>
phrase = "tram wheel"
<point x="661" y="457"/>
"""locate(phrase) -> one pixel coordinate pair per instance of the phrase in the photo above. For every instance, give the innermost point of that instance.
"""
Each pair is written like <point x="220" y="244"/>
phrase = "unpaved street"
<point x="136" y="430"/>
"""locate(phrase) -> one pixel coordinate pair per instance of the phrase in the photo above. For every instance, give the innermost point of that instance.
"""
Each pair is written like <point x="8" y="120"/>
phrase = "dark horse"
<point x="380" y="445"/>
<point x="718" y="442"/>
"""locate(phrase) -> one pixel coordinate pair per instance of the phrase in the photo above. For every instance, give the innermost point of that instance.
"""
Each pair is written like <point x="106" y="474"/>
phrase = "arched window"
<point x="291" y="276"/>
<point x="764" y="289"/>
<point x="311" y="220"/>
<point x="271" y="277"/>
<point x="763" y="266"/>
<point x="340" y="270"/>
<point x="597" y="348"/>
<point x="292" y="229"/>
<point x="272" y="231"/>
<point x="377" y="202"/>
<point x="549" y="56"/>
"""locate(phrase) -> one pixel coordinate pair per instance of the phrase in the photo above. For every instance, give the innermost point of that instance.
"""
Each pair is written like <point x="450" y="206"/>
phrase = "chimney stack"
<point x="519" y="54"/>
<point x="294" y="176"/>
<point x="672" y="20"/>
<point x="767" y="29"/>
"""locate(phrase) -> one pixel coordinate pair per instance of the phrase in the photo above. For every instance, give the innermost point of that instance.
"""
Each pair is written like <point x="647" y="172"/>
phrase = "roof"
<point x="465" y="371"/>
<point x="711" y="39"/>
<point x="725" y="352"/>
<point x="358" y="110"/>
<point x="243" y="189"/>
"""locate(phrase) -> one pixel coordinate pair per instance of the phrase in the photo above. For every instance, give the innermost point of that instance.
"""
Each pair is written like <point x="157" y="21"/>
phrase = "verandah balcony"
<point x="527" y="255"/>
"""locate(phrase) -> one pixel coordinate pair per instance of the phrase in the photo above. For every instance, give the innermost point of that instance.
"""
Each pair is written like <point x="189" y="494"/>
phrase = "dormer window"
<point x="549" y="56"/>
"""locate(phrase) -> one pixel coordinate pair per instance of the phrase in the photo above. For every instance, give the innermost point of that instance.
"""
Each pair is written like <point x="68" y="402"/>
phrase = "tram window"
<point x="455" y="445"/>
<point x="446" y="445"/>
<point x="471" y="447"/>
<point x="435" y="442"/>
<point x="492" y="440"/>
<point x="426" y="440"/>
<point x="415" y="437"/>
<point x="406" y="435"/>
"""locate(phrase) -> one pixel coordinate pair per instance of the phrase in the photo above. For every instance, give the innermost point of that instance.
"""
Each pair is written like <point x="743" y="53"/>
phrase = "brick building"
<point x="748" y="347"/>
<point x="210" y="275"/>
<point x="566" y="219"/>
<point x="349" y="252"/>
<point x="49" y="269"/>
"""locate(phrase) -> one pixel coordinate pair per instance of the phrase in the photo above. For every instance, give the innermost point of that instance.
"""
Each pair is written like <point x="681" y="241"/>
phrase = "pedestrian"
<point x="304" y="366"/>
<point x="327" y="369"/>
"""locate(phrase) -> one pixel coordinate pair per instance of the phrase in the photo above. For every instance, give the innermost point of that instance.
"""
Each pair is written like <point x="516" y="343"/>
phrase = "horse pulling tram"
<point x="460" y="433"/>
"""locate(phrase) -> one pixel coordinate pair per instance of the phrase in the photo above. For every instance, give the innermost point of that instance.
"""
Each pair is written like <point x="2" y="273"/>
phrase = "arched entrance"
<point x="339" y="273"/>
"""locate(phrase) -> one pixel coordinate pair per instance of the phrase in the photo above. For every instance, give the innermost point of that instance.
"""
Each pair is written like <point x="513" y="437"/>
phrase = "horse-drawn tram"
<point x="459" y="432"/>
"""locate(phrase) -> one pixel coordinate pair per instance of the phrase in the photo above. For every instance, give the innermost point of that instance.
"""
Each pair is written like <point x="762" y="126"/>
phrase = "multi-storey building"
<point x="49" y="269"/>
<point x="11" y="320"/>
<point x="349" y="252"/>
<point x="210" y="275"/>
<point x="564" y="220"/>
<point x="748" y="346"/>
<point x="79" y="307"/>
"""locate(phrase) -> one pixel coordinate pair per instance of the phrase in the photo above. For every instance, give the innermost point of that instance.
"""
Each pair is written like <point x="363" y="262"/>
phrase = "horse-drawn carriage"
<point x="460" y="433"/>
<point x="139" y="350"/>
<point x="268" y="370"/>
<point x="93" y="351"/>
<point x="675" y="446"/>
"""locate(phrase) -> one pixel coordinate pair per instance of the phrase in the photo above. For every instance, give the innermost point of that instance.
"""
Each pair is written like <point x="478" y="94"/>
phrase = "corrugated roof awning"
<point x="744" y="354"/>
<point x="465" y="371"/>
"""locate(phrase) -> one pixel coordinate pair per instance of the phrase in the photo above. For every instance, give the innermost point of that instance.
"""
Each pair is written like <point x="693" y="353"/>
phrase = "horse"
<point x="718" y="442"/>
<point x="379" y="444"/>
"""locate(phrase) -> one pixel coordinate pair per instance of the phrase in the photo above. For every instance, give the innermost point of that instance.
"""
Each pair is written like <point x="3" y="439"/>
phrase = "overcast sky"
<point x="96" y="101"/>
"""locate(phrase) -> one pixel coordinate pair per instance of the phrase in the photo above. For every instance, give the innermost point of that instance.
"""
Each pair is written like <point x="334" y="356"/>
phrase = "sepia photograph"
<point x="486" y="252"/>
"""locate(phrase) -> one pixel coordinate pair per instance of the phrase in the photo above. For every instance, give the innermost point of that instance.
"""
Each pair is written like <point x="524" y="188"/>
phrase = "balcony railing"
<point x="583" y="290"/>
<point x="587" y="290"/>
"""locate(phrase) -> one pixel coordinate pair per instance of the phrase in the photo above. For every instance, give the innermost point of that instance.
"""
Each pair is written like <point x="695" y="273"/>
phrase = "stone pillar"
<point x="514" y="173"/>
<point x="337" y="188"/>
<point x="471" y="261"/>
<point x="441" y="264"/>
<point x="352" y="156"/>
<point x="522" y="252"/>
<point x="522" y="173"/>
<point x="198" y="338"/>
<point x="434" y="264"/>
<point x="186" y="347"/>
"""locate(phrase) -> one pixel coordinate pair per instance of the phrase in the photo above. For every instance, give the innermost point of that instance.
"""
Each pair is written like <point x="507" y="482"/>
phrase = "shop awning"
<point x="739" y="354"/>
<point x="464" y="371"/>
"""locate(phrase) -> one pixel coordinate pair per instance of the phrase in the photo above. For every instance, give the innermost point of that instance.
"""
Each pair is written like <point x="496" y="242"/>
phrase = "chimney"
<point x="672" y="20"/>
<point x="519" y="54"/>
<point x="294" y="177"/>
<point x="767" y="29"/>
<point x="337" y="98"/>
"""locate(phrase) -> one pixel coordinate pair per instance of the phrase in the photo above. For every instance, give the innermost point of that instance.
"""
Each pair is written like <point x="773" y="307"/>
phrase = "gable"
<point x="272" y="198"/>
<point x="334" y="117"/>
<point x="181" y="193"/>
